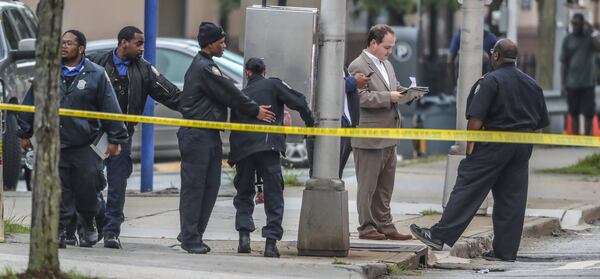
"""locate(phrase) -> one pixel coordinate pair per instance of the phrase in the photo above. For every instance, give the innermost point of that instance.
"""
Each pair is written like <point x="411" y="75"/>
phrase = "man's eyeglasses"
<point x="69" y="43"/>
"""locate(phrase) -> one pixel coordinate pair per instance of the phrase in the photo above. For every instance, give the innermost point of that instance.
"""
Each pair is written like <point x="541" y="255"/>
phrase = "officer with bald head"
<point x="508" y="100"/>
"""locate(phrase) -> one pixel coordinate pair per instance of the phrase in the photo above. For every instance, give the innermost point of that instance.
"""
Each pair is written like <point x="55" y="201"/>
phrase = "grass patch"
<point x="14" y="225"/>
<point x="589" y="165"/>
<point x="394" y="269"/>
<point x="291" y="179"/>
<point x="338" y="261"/>
<point x="424" y="160"/>
<point x="72" y="274"/>
<point x="429" y="212"/>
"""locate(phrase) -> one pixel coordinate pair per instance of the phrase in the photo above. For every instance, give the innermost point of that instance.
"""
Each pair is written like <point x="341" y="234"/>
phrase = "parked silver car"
<point x="173" y="57"/>
<point x="17" y="45"/>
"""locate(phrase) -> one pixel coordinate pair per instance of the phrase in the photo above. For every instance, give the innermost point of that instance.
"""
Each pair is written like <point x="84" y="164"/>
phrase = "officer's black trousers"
<point x="268" y="166"/>
<point x="78" y="169"/>
<point x="503" y="168"/>
<point x="201" y="155"/>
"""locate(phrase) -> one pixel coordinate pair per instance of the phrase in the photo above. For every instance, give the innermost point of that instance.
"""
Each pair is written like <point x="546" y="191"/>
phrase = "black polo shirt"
<point x="507" y="99"/>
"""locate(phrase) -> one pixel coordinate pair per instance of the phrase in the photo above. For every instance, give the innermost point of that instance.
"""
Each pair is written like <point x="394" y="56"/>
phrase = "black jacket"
<point x="272" y="92"/>
<point x="144" y="80"/>
<point x="90" y="90"/>
<point x="207" y="93"/>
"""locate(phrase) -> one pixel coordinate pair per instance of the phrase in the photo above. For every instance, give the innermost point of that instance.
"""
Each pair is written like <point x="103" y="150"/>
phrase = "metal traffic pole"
<point x="323" y="228"/>
<point x="150" y="20"/>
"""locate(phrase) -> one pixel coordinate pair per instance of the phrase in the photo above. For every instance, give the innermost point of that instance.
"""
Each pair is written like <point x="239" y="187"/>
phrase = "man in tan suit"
<point x="375" y="159"/>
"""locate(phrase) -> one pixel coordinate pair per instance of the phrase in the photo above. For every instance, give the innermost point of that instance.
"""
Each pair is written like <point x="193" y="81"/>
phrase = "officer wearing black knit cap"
<point x="206" y="96"/>
<point x="260" y="153"/>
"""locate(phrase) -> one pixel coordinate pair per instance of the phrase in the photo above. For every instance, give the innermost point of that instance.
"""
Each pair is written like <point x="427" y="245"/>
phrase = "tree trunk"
<point x="43" y="252"/>
<point x="545" y="51"/>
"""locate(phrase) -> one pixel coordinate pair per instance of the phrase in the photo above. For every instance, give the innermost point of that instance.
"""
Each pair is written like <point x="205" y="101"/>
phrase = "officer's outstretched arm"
<point x="163" y="91"/>
<point x="222" y="89"/>
<point x="294" y="100"/>
<point x="25" y="119"/>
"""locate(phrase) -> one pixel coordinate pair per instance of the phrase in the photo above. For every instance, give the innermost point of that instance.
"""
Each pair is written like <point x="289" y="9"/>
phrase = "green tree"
<point x="225" y="8"/>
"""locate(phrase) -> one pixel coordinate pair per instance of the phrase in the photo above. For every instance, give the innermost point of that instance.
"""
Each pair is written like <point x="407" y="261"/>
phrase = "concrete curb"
<point x="476" y="245"/>
<point x="590" y="213"/>
<point x="379" y="269"/>
<point x="374" y="270"/>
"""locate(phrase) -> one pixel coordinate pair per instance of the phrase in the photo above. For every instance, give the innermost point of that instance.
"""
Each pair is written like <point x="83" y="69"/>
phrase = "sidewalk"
<point x="152" y="223"/>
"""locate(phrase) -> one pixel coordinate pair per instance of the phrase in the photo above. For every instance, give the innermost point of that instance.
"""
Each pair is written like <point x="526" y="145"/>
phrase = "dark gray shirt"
<point x="508" y="100"/>
<point x="578" y="55"/>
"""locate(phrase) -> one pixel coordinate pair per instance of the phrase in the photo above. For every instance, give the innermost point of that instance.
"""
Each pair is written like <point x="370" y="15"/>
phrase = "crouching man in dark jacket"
<point x="84" y="86"/>
<point x="260" y="153"/>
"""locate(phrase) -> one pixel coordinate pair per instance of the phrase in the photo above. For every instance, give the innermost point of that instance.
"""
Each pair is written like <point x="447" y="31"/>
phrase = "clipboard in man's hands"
<point x="417" y="91"/>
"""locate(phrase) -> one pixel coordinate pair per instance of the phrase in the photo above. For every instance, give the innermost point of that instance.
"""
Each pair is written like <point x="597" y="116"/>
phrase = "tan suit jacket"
<point x="376" y="108"/>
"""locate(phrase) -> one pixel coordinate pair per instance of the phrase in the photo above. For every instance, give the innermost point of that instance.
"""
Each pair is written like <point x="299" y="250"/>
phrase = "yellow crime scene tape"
<point x="382" y="133"/>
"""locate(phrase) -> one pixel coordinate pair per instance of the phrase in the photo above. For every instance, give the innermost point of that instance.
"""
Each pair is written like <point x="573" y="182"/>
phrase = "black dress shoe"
<point x="112" y="242"/>
<point x="62" y="240"/>
<point x="271" y="249"/>
<point x="199" y="248"/>
<point x="491" y="256"/>
<point x="244" y="242"/>
<point x="424" y="235"/>
<point x="180" y="239"/>
<point x="71" y="240"/>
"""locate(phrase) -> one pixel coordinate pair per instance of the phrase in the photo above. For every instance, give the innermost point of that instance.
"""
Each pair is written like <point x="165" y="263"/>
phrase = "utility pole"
<point x="150" y="17"/>
<point x="323" y="229"/>
<point x="561" y="29"/>
<point x="470" y="64"/>
<point x="513" y="17"/>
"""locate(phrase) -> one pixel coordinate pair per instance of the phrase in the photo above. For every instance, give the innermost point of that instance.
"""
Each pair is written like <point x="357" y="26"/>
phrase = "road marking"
<point x="578" y="265"/>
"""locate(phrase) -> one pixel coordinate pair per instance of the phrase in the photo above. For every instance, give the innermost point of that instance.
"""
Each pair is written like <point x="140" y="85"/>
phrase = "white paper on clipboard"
<point x="99" y="146"/>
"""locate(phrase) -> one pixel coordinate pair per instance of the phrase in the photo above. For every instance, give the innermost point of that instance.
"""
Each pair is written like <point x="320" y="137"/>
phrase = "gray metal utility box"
<point x="285" y="38"/>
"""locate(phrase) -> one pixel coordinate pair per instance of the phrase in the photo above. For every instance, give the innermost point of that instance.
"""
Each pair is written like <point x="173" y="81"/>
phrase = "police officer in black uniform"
<point x="260" y="153"/>
<point x="504" y="100"/>
<point x="134" y="79"/>
<point x="206" y="96"/>
<point x="84" y="86"/>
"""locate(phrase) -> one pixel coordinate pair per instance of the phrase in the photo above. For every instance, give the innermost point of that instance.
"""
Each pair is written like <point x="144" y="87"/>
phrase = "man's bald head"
<point x="505" y="51"/>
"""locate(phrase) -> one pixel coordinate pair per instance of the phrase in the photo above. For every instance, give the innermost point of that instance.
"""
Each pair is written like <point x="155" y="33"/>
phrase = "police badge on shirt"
<point x="81" y="84"/>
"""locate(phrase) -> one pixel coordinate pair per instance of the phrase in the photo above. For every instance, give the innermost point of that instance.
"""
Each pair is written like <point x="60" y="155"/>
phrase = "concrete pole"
<point x="470" y="64"/>
<point x="562" y="26"/>
<point x="147" y="174"/>
<point x="323" y="229"/>
<point x="513" y="19"/>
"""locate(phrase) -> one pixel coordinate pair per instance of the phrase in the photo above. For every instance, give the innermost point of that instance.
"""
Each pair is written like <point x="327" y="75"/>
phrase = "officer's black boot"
<point x="62" y="239"/>
<point x="244" y="244"/>
<point x="90" y="234"/>
<point x="271" y="249"/>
